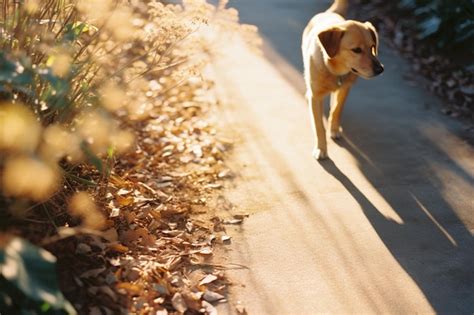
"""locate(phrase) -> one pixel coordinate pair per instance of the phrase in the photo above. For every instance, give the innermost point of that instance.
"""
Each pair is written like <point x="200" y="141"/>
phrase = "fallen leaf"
<point x="232" y="221"/>
<point x="115" y="212"/>
<point x="214" y="186"/>
<point x="211" y="296"/>
<point x="110" y="235"/>
<point x="83" y="248"/>
<point x="130" y="217"/>
<point x="160" y="288"/>
<point x="133" y="274"/>
<point x="209" y="308"/>
<point x="178" y="303"/>
<point x="208" y="279"/>
<point x="129" y="288"/>
<point x="110" y="278"/>
<point x="241" y="216"/>
<point x="189" y="226"/>
<point x="211" y="238"/>
<point x="117" y="247"/>
<point x="122" y="192"/>
<point x="224" y="173"/>
<point x="192" y="300"/>
<point x="109" y="292"/>
<point x="206" y="251"/>
<point x="124" y="201"/>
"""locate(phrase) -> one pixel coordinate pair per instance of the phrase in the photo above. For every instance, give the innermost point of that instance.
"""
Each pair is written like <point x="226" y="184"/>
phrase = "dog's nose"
<point x="378" y="68"/>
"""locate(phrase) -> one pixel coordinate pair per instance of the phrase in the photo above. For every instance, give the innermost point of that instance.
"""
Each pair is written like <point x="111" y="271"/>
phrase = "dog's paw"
<point x="336" y="134"/>
<point x="319" y="154"/>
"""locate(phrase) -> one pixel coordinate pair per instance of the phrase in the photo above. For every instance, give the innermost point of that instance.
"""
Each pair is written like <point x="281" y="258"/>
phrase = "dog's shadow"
<point x="432" y="244"/>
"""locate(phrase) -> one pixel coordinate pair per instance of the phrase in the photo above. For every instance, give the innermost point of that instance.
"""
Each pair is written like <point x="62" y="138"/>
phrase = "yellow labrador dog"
<point x="335" y="52"/>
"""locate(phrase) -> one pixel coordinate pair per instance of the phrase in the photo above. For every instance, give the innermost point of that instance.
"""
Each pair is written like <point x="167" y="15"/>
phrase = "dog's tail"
<point x="339" y="7"/>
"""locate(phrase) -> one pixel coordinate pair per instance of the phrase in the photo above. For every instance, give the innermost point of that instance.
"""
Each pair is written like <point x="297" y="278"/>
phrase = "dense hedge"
<point x="450" y="24"/>
<point x="446" y="26"/>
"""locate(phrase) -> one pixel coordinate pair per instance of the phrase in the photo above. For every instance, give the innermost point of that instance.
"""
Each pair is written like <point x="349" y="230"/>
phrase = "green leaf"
<point x="93" y="159"/>
<point x="74" y="30"/>
<point x="14" y="73"/>
<point x="29" y="272"/>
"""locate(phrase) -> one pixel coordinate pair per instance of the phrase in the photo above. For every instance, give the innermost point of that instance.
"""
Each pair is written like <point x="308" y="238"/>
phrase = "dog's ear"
<point x="331" y="39"/>
<point x="374" y="35"/>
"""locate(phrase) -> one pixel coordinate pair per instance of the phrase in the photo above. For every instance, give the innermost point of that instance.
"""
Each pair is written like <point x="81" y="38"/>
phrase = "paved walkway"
<point x="385" y="226"/>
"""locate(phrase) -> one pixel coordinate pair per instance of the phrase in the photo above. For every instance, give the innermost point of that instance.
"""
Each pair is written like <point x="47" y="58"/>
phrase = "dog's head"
<point x="352" y="47"/>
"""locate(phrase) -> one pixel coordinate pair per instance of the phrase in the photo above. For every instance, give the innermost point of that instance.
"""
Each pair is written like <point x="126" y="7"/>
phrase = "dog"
<point x="335" y="53"/>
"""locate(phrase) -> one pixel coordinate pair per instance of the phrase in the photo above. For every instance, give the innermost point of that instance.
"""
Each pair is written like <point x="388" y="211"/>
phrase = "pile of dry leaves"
<point x="446" y="77"/>
<point x="155" y="255"/>
<point x="137" y="232"/>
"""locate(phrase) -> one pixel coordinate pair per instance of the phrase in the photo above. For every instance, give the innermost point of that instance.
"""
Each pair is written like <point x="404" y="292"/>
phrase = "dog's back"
<point x="339" y="7"/>
<point x="335" y="13"/>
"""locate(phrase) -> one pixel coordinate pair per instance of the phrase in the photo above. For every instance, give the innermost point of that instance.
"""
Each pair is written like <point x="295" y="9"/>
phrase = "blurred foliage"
<point x="28" y="283"/>
<point x="77" y="81"/>
<point x="446" y="26"/>
<point x="450" y="24"/>
<point x="74" y="74"/>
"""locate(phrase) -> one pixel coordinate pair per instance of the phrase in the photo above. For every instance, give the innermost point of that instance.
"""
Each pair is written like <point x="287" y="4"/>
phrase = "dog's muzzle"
<point x="377" y="67"/>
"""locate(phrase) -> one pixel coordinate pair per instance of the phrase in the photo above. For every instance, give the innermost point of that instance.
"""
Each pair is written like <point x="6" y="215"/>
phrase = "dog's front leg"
<point x="338" y="99"/>
<point x="316" y="106"/>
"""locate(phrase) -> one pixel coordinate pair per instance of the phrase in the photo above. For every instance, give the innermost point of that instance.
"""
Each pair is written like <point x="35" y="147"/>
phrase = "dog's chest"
<point x="323" y="82"/>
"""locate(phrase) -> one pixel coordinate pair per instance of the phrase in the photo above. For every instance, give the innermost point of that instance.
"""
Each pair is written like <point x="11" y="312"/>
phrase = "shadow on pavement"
<point x="432" y="244"/>
<point x="438" y="256"/>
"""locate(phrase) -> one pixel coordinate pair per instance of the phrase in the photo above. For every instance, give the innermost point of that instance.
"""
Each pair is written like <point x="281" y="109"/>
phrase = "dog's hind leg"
<point x="338" y="99"/>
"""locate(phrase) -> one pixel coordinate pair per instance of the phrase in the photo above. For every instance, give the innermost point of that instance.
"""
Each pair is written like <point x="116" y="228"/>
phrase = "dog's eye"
<point x="357" y="50"/>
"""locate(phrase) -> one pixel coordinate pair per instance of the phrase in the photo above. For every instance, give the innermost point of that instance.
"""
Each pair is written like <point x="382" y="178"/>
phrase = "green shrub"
<point x="28" y="282"/>
<point x="447" y="24"/>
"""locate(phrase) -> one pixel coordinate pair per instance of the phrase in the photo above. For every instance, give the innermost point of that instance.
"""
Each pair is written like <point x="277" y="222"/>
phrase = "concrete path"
<point x="385" y="226"/>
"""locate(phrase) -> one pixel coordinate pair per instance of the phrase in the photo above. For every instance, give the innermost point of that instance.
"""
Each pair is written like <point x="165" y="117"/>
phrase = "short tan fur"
<point x="335" y="52"/>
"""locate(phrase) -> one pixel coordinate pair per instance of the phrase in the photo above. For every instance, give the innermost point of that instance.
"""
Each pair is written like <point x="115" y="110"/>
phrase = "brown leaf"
<point x="110" y="235"/>
<point x="130" y="288"/>
<point x="192" y="300"/>
<point x="124" y="201"/>
<point x="130" y="217"/>
<point x="109" y="292"/>
<point x="117" y="247"/>
<point x="130" y="236"/>
<point x="133" y="274"/>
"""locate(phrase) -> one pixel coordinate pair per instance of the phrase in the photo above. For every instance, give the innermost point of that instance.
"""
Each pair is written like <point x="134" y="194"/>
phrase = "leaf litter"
<point x="156" y="254"/>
